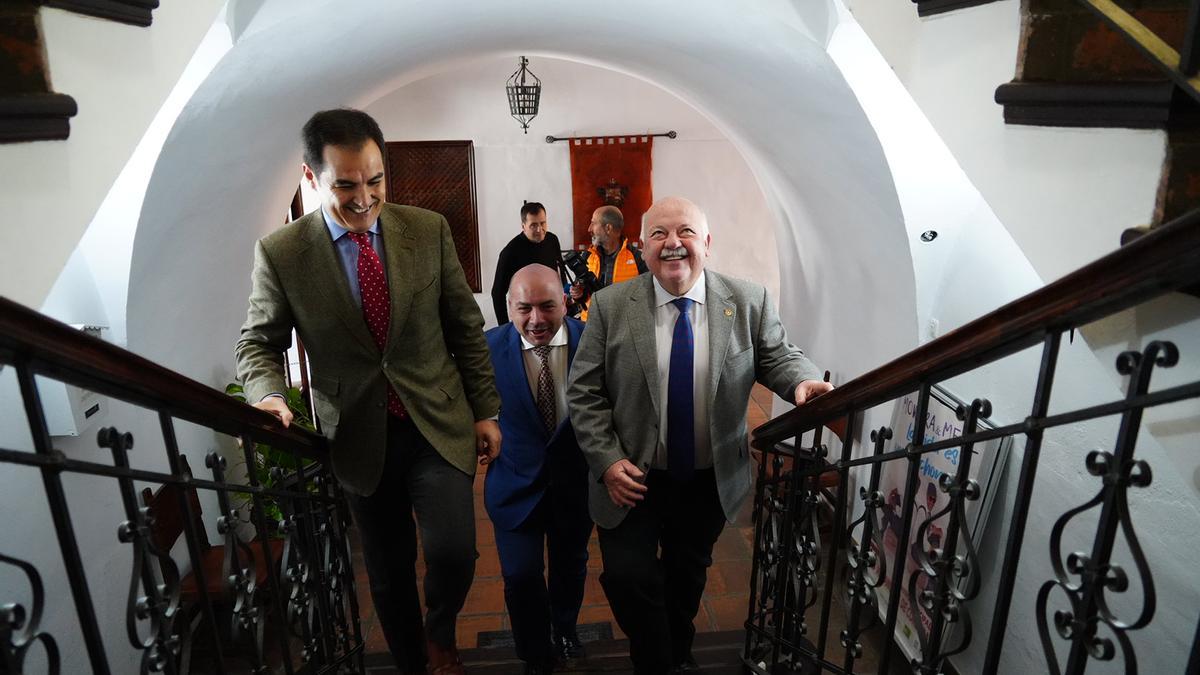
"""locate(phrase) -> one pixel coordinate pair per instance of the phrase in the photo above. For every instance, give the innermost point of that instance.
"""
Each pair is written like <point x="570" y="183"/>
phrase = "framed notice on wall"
<point x="440" y="176"/>
<point x="987" y="463"/>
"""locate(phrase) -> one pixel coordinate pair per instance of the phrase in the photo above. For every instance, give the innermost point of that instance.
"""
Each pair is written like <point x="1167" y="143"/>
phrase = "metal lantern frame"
<point x="524" y="94"/>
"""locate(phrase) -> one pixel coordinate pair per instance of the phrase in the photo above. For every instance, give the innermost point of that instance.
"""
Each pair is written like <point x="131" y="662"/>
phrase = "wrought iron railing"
<point x="308" y="601"/>
<point x="795" y="575"/>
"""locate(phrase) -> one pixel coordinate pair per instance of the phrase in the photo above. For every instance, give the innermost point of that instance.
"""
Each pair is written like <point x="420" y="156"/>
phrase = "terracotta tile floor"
<point x="725" y="599"/>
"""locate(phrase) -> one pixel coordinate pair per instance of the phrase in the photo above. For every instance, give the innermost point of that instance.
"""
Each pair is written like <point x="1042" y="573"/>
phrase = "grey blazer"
<point x="613" y="392"/>
<point x="435" y="356"/>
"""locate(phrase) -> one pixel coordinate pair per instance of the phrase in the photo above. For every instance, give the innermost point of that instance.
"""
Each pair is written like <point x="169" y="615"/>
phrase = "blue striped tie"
<point x="681" y="414"/>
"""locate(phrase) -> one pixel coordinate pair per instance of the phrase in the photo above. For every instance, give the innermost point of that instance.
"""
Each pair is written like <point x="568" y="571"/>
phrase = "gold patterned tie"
<point x="545" y="390"/>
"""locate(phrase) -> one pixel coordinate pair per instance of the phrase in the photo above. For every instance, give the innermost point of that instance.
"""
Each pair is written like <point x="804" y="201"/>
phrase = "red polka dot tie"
<point x="376" y="305"/>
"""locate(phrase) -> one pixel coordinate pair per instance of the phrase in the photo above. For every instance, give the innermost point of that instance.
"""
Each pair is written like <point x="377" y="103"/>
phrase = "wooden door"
<point x="440" y="176"/>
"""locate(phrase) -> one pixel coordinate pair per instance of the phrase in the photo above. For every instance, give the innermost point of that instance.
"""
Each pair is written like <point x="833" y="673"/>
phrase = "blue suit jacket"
<point x="531" y="458"/>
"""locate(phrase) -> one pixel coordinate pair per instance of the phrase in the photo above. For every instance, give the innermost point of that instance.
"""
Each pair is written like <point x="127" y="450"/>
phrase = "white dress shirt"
<point x="665" y="315"/>
<point x="557" y="360"/>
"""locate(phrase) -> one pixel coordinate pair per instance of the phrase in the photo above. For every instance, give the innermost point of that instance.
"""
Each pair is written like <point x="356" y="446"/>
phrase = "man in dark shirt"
<point x="535" y="244"/>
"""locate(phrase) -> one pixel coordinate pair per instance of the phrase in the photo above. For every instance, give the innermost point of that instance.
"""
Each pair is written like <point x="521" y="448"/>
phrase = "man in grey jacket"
<point x="658" y="395"/>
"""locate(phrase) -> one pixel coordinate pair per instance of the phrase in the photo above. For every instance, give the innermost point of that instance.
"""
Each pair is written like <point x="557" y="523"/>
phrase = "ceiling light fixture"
<point x="524" y="93"/>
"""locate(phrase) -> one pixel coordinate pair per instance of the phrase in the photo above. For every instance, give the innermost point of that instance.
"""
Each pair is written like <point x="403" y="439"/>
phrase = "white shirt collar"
<point x="559" y="339"/>
<point x="697" y="292"/>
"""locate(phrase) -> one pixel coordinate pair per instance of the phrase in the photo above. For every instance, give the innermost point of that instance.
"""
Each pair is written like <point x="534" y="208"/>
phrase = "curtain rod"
<point x="555" y="139"/>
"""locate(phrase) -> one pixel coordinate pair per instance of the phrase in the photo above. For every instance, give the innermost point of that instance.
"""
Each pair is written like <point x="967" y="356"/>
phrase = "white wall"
<point x="119" y="75"/>
<point x="107" y="245"/>
<point x="807" y="144"/>
<point x="582" y="100"/>
<point x="1064" y="194"/>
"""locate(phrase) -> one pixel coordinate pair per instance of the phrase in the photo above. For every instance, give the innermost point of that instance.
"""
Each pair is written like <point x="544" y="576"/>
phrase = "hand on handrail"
<point x="277" y="406"/>
<point x="810" y="389"/>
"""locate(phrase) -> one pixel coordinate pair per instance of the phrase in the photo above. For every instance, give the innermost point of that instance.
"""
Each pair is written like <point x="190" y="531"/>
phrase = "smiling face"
<point x="350" y="184"/>
<point x="677" y="243"/>
<point x="536" y="304"/>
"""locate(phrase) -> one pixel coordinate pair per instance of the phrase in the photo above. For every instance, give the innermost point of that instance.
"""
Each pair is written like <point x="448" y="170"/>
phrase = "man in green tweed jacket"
<point x="401" y="378"/>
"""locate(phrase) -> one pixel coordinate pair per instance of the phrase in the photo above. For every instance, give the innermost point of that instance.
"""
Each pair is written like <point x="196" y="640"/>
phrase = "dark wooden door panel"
<point x="440" y="176"/>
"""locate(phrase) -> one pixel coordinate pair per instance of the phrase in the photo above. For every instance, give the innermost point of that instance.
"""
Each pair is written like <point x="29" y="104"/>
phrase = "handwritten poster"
<point x="941" y="423"/>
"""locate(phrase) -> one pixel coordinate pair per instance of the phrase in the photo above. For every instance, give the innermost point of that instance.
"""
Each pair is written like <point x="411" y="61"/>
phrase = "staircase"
<point x="717" y="654"/>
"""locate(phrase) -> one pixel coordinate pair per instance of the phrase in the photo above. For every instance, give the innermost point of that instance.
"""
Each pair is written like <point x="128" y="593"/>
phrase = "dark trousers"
<point x="558" y="529"/>
<point x="655" y="599"/>
<point x="416" y="479"/>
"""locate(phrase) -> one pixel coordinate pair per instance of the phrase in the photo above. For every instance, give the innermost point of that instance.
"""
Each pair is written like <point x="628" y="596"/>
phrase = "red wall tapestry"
<point x="610" y="170"/>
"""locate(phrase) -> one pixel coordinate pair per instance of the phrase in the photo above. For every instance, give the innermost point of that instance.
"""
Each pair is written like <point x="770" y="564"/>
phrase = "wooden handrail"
<point x="56" y="350"/>
<point x="1166" y="259"/>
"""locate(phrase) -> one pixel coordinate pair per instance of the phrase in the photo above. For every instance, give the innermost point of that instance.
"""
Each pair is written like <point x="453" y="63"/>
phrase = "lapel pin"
<point x="728" y="312"/>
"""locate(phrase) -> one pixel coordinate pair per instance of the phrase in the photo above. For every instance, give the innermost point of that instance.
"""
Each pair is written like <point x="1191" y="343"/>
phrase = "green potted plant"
<point x="266" y="456"/>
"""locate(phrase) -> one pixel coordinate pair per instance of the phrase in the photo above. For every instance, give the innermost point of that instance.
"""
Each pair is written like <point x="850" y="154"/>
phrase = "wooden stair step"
<point x="718" y="653"/>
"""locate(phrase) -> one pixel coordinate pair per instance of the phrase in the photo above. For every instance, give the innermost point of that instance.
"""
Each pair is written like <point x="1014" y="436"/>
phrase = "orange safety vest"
<point x="624" y="269"/>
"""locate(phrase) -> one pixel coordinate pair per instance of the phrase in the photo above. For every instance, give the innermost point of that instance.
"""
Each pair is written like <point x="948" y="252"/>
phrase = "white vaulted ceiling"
<point x="763" y="78"/>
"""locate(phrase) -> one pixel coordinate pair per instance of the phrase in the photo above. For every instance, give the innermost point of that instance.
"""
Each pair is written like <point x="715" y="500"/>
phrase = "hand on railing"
<point x="810" y="389"/>
<point x="277" y="406"/>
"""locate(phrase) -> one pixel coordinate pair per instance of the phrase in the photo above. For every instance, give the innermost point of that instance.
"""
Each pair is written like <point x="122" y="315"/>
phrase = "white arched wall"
<point x="582" y="100"/>
<point x="119" y="75"/>
<point x="762" y="79"/>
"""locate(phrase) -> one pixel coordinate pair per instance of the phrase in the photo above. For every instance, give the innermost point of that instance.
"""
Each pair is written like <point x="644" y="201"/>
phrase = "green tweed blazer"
<point x="435" y="357"/>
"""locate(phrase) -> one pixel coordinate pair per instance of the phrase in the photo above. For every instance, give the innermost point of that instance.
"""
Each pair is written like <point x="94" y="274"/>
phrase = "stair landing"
<point x="718" y="653"/>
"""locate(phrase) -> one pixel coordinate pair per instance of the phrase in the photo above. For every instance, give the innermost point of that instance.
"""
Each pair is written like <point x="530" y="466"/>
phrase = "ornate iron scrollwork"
<point x="317" y="572"/>
<point x="769" y="554"/>
<point x="804" y="553"/>
<point x="240" y="570"/>
<point x="19" y="628"/>
<point x="866" y="565"/>
<point x="1096" y="574"/>
<point x="159" y="605"/>
<point x="338" y="566"/>
<point x="950" y="579"/>
<point x="297" y="575"/>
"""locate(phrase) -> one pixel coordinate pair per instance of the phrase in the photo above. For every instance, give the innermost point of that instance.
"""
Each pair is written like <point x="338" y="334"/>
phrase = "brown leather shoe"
<point x="444" y="660"/>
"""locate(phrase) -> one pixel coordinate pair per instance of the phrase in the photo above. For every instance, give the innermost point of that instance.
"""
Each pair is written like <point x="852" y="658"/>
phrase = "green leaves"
<point x="267" y="457"/>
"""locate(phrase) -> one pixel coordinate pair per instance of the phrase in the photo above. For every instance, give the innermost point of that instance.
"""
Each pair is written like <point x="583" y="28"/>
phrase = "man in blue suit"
<point x="536" y="492"/>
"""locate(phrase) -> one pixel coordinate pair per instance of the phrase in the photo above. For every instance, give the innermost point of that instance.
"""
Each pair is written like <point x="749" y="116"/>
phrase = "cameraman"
<point x="535" y="244"/>
<point x="611" y="259"/>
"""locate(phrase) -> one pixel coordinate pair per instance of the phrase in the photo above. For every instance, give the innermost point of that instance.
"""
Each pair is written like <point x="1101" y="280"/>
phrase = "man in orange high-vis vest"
<point x="611" y="257"/>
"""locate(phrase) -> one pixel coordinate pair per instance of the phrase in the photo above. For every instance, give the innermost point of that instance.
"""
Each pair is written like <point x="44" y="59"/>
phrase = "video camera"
<point x="575" y="263"/>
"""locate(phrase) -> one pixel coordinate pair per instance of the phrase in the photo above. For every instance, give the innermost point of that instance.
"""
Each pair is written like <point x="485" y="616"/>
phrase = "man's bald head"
<point x="681" y="206"/>
<point x="676" y="234"/>
<point x="536" y="304"/>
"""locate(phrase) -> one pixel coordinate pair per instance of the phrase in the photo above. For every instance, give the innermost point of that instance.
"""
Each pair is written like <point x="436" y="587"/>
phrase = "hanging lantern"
<point x="524" y="92"/>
